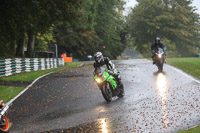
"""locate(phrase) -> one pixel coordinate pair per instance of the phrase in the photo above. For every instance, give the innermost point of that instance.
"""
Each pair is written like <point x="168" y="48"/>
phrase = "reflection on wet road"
<point x="101" y="126"/>
<point x="105" y="126"/>
<point x="161" y="86"/>
<point x="71" y="102"/>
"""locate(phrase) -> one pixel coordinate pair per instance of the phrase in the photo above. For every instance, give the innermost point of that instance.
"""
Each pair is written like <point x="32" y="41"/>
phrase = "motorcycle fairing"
<point x="110" y="79"/>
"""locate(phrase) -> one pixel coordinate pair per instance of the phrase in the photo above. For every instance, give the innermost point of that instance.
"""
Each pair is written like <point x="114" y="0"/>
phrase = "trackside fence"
<point x="17" y="65"/>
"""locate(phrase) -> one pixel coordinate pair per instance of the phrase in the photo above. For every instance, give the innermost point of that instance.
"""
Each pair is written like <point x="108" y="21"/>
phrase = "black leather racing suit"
<point x="110" y="66"/>
<point x="105" y="61"/>
<point x="154" y="49"/>
<point x="155" y="46"/>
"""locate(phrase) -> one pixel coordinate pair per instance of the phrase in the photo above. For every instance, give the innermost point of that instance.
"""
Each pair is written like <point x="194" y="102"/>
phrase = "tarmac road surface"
<point x="70" y="101"/>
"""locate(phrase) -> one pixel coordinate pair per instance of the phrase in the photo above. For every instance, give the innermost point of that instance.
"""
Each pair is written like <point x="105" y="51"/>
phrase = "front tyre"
<point x="4" y="125"/>
<point x="160" y="65"/>
<point x="121" y="88"/>
<point x="107" y="93"/>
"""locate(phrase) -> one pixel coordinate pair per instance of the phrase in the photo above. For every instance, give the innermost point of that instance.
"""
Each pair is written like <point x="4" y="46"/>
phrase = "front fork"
<point x="101" y="85"/>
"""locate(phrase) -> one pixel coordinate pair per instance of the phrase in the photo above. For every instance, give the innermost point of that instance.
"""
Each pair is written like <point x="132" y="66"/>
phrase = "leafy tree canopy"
<point x="173" y="20"/>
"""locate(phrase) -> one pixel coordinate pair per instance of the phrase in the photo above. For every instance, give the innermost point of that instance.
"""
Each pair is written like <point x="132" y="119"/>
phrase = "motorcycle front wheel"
<point x="107" y="93"/>
<point x="4" y="125"/>
<point x="160" y="65"/>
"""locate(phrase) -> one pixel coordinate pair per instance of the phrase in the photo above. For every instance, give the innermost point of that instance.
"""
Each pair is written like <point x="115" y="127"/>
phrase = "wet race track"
<point x="69" y="101"/>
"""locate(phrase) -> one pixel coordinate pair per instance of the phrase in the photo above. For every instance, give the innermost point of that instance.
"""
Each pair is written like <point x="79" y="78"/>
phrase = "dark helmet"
<point x="157" y="40"/>
<point x="98" y="57"/>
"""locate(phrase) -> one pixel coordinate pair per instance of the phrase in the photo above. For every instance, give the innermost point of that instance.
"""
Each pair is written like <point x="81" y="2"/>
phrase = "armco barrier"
<point x="18" y="65"/>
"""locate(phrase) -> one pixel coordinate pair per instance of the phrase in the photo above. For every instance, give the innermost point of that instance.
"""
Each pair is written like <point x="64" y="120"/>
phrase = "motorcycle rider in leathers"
<point x="155" y="46"/>
<point x="100" y="61"/>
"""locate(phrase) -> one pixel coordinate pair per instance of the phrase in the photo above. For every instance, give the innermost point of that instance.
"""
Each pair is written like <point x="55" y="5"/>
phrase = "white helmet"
<point x="98" y="57"/>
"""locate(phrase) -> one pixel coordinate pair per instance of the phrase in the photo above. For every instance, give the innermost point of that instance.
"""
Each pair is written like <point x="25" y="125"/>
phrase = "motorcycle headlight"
<point x="98" y="80"/>
<point x="159" y="55"/>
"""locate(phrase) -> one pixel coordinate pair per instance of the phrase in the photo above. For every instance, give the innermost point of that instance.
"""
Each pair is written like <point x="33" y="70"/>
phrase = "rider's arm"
<point x="152" y="49"/>
<point x="163" y="47"/>
<point x="95" y="68"/>
<point x="109" y="64"/>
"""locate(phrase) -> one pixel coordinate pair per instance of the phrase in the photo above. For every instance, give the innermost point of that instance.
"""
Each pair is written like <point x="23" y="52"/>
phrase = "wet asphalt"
<point x="70" y="101"/>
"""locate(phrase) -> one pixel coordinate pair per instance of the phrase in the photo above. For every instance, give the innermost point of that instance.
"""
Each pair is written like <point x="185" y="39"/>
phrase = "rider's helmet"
<point x="98" y="57"/>
<point x="157" y="40"/>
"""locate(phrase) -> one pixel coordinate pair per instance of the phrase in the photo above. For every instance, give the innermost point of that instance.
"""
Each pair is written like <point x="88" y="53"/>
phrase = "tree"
<point x="78" y="26"/>
<point x="98" y="28"/>
<point x="31" y="17"/>
<point x="173" y="20"/>
<point x="110" y="28"/>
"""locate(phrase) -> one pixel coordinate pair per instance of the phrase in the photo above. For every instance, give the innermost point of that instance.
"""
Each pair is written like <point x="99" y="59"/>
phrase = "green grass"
<point x="30" y="76"/>
<point x="9" y="92"/>
<point x="192" y="130"/>
<point x="188" y="65"/>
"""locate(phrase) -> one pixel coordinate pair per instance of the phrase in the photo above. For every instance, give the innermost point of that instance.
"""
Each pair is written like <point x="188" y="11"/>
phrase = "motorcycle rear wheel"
<point x="5" y="129"/>
<point x="107" y="93"/>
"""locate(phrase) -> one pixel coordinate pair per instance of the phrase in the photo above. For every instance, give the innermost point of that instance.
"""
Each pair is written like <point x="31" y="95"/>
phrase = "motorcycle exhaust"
<point x="4" y="111"/>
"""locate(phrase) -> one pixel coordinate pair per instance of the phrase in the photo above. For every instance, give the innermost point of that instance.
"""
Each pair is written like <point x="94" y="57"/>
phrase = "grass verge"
<point x="192" y="130"/>
<point x="30" y="76"/>
<point x="9" y="92"/>
<point x="188" y="65"/>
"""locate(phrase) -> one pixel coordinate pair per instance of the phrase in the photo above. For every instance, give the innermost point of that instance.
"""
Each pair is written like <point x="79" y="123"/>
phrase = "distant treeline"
<point x="174" y="21"/>
<point x="79" y="27"/>
<point x="82" y="27"/>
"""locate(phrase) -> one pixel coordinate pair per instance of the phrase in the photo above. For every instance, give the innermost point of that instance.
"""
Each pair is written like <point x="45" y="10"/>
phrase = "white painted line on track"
<point x="181" y="71"/>
<point x="184" y="73"/>
<point x="81" y="65"/>
<point x="22" y="92"/>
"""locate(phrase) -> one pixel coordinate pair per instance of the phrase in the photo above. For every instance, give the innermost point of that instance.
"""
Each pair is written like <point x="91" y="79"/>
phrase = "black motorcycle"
<point x="159" y="59"/>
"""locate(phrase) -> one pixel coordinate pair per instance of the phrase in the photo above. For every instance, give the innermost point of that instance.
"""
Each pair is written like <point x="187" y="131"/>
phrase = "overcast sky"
<point x="131" y="3"/>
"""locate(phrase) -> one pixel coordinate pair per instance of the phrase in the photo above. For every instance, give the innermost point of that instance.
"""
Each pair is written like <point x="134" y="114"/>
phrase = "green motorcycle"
<point x="109" y="86"/>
